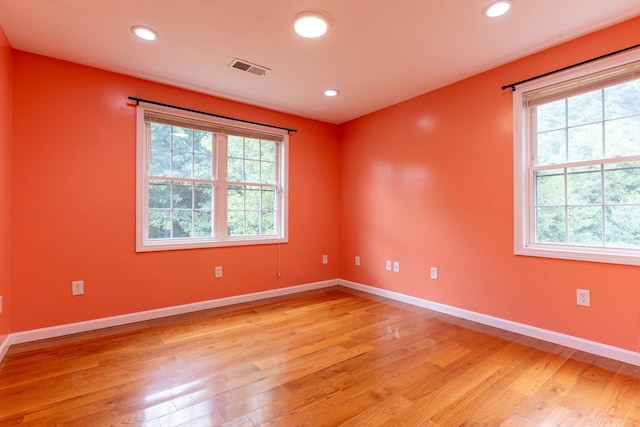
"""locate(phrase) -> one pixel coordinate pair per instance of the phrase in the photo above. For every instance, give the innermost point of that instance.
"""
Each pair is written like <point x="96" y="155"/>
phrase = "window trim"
<point x="523" y="181"/>
<point x="222" y="125"/>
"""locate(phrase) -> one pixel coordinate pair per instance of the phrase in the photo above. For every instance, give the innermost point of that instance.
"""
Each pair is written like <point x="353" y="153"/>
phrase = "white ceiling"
<point x="376" y="53"/>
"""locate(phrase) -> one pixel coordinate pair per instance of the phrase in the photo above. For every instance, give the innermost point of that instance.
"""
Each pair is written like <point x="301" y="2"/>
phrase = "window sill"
<point x="625" y="257"/>
<point x="200" y="244"/>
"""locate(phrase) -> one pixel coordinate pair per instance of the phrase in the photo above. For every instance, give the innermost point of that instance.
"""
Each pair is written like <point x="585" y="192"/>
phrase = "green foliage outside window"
<point x="180" y="208"/>
<point x="597" y="204"/>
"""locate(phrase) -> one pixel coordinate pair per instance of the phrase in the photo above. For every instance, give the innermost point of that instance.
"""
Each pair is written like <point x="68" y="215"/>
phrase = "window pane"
<point x="551" y="116"/>
<point x="252" y="148"/>
<point x="182" y="223"/>
<point x="159" y="224"/>
<point x="235" y="223"/>
<point x="235" y="197"/>
<point x="160" y="136"/>
<point x="252" y="170"/>
<point x="203" y="196"/>
<point x="268" y="151"/>
<point x="182" y="195"/>
<point x="622" y="183"/>
<point x="203" y="224"/>
<point x="252" y="198"/>
<point x="622" y="225"/>
<point x="202" y="142"/>
<point x="182" y="138"/>
<point x="269" y="199"/>
<point x="585" y="108"/>
<point x="159" y="194"/>
<point x="622" y="137"/>
<point x="550" y="225"/>
<point x="235" y="146"/>
<point x="235" y="169"/>
<point x="160" y="163"/>
<point x="584" y="185"/>
<point x="585" y="142"/>
<point x="181" y="164"/>
<point x="551" y="147"/>
<point x="550" y="188"/>
<point x="251" y="210"/>
<point x="268" y="173"/>
<point x="622" y="100"/>
<point x="268" y="222"/>
<point x="585" y="225"/>
<point x="252" y="224"/>
<point x="202" y="166"/>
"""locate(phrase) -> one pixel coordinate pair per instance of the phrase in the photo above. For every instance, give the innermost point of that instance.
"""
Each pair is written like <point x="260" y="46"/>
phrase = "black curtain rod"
<point x="513" y="85"/>
<point x="139" y="100"/>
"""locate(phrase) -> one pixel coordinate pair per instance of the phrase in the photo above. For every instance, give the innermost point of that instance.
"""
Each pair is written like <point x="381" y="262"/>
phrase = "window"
<point x="577" y="163"/>
<point x="204" y="181"/>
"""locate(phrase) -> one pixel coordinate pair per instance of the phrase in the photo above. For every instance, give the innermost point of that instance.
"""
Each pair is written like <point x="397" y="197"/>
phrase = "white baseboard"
<point x="4" y="346"/>
<point x="107" y="322"/>
<point x="592" y="347"/>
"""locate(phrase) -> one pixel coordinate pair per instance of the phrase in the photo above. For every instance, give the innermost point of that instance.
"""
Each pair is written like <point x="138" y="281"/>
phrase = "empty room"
<point x="319" y="213"/>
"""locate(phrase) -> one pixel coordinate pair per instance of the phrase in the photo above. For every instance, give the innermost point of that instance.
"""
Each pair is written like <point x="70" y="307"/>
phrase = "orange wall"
<point x="429" y="182"/>
<point x="74" y="193"/>
<point x="5" y="180"/>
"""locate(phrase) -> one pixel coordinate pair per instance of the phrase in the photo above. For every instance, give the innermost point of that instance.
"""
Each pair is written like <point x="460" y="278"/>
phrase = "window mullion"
<point x="602" y="207"/>
<point x="566" y="206"/>
<point x="171" y="209"/>
<point x="220" y="198"/>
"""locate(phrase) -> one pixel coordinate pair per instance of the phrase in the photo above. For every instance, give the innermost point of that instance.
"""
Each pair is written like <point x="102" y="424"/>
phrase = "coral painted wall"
<point x="73" y="164"/>
<point x="5" y="180"/>
<point x="429" y="182"/>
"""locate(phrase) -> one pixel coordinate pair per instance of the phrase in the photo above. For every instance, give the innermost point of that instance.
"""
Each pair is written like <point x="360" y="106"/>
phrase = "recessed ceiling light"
<point x="331" y="92"/>
<point x="144" y="33"/>
<point x="498" y="8"/>
<point x="310" y="24"/>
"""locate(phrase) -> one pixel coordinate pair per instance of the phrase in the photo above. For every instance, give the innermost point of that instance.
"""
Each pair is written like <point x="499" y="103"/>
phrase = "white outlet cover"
<point x="77" y="287"/>
<point x="396" y="266"/>
<point x="357" y="260"/>
<point x="583" y="297"/>
<point x="388" y="265"/>
<point x="433" y="273"/>
<point x="218" y="271"/>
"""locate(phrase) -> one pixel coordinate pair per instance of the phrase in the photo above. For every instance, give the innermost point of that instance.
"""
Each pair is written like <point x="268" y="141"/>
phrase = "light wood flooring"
<point x="323" y="358"/>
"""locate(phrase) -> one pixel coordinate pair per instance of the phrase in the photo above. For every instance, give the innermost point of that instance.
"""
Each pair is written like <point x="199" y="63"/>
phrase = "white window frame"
<point x="524" y="221"/>
<point x="220" y="237"/>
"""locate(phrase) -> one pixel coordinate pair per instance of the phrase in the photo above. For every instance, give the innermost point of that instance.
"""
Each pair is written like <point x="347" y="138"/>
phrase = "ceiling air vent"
<point x="247" y="66"/>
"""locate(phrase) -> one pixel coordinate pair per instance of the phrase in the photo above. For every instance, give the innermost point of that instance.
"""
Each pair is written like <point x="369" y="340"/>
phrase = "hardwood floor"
<point x="324" y="358"/>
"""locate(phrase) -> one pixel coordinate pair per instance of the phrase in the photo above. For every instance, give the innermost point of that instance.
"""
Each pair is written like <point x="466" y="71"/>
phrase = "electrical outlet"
<point x="0" y="304"/>
<point x="433" y="273"/>
<point x="388" y="265"/>
<point x="396" y="267"/>
<point x="583" y="297"/>
<point x="357" y="260"/>
<point x="218" y="271"/>
<point x="325" y="259"/>
<point x="77" y="287"/>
